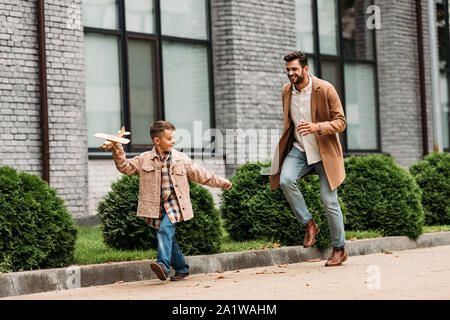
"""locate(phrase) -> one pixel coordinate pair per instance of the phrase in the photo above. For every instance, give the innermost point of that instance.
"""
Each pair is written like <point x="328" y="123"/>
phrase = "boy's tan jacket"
<point x="326" y="109"/>
<point x="148" y="166"/>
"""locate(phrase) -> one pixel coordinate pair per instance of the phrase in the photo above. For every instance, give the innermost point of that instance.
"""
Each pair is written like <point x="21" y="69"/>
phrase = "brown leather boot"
<point x="337" y="257"/>
<point x="179" y="276"/>
<point x="159" y="270"/>
<point x="310" y="236"/>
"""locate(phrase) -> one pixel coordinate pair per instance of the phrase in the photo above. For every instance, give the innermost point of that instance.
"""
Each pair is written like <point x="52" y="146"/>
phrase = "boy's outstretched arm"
<point x="124" y="165"/>
<point x="200" y="175"/>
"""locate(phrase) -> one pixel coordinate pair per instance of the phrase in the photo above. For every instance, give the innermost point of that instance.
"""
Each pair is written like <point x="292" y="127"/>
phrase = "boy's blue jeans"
<point x="169" y="254"/>
<point x="296" y="166"/>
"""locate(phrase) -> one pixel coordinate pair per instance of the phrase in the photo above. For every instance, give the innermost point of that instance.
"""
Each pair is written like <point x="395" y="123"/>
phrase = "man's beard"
<point x="300" y="78"/>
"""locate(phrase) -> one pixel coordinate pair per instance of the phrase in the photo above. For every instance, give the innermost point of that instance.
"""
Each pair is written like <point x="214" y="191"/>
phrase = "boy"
<point x="164" y="193"/>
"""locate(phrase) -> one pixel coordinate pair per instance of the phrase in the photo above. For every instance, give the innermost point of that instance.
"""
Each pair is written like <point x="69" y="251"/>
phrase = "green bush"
<point x="124" y="230"/>
<point x="380" y="195"/>
<point x="252" y="211"/>
<point x="432" y="174"/>
<point x="36" y="229"/>
<point x="235" y="205"/>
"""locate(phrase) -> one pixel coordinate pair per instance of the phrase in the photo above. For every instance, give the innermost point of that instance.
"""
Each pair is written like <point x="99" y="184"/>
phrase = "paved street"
<point x="409" y="274"/>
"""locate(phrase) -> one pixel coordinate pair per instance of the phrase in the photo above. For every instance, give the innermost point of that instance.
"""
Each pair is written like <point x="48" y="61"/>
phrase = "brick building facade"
<point x="244" y="45"/>
<point x="20" y="96"/>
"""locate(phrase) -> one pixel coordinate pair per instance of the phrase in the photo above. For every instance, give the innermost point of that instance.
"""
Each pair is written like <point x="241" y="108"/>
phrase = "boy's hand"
<point x="115" y="145"/>
<point x="228" y="185"/>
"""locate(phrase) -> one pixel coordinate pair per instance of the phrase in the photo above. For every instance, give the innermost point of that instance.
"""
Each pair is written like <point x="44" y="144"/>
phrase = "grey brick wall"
<point x="66" y="96"/>
<point x="20" y="102"/>
<point x="399" y="87"/>
<point x="250" y="39"/>
<point x="19" y="87"/>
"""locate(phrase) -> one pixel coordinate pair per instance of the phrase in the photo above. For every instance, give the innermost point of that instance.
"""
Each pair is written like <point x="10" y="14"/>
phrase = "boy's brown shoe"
<point x="159" y="270"/>
<point x="179" y="276"/>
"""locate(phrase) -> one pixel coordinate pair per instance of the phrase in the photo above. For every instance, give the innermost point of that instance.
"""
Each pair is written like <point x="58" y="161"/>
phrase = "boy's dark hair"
<point x="158" y="127"/>
<point x="300" y="55"/>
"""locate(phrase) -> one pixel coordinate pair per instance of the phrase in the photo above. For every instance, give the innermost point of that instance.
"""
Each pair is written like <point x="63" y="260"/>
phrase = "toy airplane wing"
<point x="118" y="137"/>
<point x="112" y="138"/>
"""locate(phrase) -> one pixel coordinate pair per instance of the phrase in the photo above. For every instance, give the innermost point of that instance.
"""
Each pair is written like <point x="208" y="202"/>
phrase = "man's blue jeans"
<point x="169" y="254"/>
<point x="296" y="166"/>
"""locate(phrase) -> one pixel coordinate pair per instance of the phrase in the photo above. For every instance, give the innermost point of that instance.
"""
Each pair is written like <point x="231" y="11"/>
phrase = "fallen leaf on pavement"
<point x="387" y="252"/>
<point x="264" y="272"/>
<point x="279" y="272"/>
<point x="353" y="239"/>
<point x="395" y="256"/>
<point x="221" y="277"/>
<point x="118" y="282"/>
<point x="281" y="266"/>
<point x="194" y="285"/>
<point x="307" y="284"/>
<point x="236" y="271"/>
<point x="207" y="286"/>
<point x="314" y="260"/>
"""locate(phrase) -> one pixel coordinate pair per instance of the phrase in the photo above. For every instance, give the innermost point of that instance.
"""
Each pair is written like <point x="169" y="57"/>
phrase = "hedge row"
<point x="123" y="230"/>
<point x="252" y="211"/>
<point x="37" y="231"/>
<point x="382" y="196"/>
<point x="433" y="177"/>
<point x="377" y="193"/>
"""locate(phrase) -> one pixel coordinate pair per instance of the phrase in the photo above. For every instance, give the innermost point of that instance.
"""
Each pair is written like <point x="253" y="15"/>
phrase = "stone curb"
<point x="28" y="282"/>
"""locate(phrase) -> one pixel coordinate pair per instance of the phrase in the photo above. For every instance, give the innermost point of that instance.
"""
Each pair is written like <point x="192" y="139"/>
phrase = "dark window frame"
<point x="342" y="60"/>
<point x="446" y="68"/>
<point x="123" y="36"/>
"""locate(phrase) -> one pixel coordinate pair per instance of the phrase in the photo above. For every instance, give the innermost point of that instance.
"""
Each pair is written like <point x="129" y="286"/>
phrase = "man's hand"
<point x="305" y="128"/>
<point x="228" y="185"/>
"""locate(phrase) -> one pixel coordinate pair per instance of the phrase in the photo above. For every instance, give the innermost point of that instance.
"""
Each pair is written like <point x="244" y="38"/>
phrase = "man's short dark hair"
<point x="299" y="55"/>
<point x="157" y="128"/>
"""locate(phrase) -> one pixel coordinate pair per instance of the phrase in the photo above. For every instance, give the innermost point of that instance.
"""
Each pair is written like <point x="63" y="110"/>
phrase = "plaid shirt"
<point x="169" y="199"/>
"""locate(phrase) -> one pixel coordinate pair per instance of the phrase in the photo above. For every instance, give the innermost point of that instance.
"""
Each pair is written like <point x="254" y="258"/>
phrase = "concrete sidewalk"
<point x="28" y="282"/>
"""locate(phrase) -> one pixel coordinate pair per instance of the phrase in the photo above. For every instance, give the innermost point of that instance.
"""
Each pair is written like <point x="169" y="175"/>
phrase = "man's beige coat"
<point x="326" y="110"/>
<point x="148" y="166"/>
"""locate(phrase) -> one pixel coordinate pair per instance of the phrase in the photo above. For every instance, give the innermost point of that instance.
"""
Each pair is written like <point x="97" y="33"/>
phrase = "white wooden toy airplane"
<point x="118" y="137"/>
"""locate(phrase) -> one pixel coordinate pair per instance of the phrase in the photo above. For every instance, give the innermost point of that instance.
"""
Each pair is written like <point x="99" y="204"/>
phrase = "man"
<point x="313" y="116"/>
<point x="164" y="198"/>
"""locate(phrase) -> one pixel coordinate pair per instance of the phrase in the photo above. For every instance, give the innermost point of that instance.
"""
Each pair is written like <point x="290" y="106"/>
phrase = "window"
<point x="341" y="50"/>
<point x="103" y="93"/>
<point x="147" y="60"/>
<point x="443" y="13"/>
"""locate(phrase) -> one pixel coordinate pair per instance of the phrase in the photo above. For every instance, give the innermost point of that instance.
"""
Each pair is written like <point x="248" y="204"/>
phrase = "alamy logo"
<point x="374" y="280"/>
<point x="374" y="20"/>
